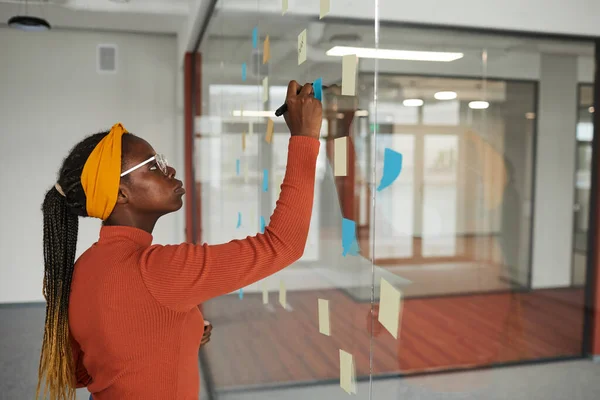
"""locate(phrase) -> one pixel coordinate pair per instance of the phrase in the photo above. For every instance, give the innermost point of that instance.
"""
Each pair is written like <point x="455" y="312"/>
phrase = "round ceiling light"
<point x="479" y="105"/>
<point x="28" y="23"/>
<point x="448" y="95"/>
<point x="412" y="103"/>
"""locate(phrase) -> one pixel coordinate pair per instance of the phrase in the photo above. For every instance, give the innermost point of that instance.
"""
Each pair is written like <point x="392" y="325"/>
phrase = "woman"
<point x="123" y="320"/>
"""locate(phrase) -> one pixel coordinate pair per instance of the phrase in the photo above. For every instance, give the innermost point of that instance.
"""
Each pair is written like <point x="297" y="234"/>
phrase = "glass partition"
<point x="473" y="233"/>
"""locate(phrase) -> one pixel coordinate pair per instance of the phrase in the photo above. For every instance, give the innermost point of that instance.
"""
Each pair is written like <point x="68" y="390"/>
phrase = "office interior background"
<point x="489" y="232"/>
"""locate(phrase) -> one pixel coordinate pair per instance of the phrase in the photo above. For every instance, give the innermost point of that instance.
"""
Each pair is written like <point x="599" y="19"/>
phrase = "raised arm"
<point x="183" y="276"/>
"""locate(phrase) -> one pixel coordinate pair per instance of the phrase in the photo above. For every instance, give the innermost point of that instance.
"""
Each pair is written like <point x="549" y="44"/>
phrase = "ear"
<point x="122" y="197"/>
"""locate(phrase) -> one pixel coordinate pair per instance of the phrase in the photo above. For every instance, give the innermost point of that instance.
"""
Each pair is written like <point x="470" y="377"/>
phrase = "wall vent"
<point x="107" y="59"/>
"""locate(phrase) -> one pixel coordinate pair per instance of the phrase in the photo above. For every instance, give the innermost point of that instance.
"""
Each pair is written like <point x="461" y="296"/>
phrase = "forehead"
<point x="135" y="150"/>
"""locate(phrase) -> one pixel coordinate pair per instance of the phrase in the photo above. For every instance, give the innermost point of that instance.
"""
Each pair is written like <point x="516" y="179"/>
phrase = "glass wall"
<point x="473" y="234"/>
<point x="583" y="181"/>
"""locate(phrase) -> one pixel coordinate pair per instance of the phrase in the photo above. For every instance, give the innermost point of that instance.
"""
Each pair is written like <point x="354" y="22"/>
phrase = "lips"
<point x="179" y="189"/>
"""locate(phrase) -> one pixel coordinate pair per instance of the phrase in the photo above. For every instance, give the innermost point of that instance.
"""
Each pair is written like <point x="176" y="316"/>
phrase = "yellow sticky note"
<point x="349" y="64"/>
<point x="270" y="127"/>
<point x="324" y="317"/>
<point x="340" y="161"/>
<point x="265" y="294"/>
<point x="265" y="89"/>
<point x="389" y="307"/>
<point x="302" y="47"/>
<point x="266" y="50"/>
<point x="347" y="372"/>
<point x="284" y="6"/>
<point x="244" y="141"/>
<point x="282" y="295"/>
<point x="325" y="6"/>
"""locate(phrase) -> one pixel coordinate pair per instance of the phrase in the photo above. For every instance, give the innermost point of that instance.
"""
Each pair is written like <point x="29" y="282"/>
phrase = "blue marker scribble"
<point x="255" y="37"/>
<point x="392" y="165"/>
<point x="239" y="223"/>
<point x="349" y="243"/>
<point x="318" y="88"/>
<point x="265" y="180"/>
<point x="262" y="224"/>
<point x="237" y="167"/>
<point x="244" y="72"/>
<point x="241" y="293"/>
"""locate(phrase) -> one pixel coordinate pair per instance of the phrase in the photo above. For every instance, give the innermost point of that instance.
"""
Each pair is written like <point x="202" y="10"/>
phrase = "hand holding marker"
<point x="317" y="91"/>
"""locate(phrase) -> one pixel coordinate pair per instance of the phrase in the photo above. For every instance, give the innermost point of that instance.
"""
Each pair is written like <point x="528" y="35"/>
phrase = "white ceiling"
<point x="227" y="45"/>
<point x="147" y="16"/>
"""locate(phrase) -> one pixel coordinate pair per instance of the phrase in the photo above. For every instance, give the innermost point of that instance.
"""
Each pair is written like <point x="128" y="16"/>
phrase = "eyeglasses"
<point x="161" y="162"/>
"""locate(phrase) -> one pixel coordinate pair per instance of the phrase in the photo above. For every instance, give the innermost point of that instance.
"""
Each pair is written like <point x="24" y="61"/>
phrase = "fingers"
<point x="307" y="89"/>
<point x="292" y="90"/>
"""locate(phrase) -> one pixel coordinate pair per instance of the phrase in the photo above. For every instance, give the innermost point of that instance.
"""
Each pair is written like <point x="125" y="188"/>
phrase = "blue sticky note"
<point x="241" y="293"/>
<point x="349" y="243"/>
<point x="318" y="88"/>
<point x="244" y="72"/>
<point x="392" y="165"/>
<point x="237" y="167"/>
<point x="239" y="223"/>
<point x="255" y="37"/>
<point x="265" y="180"/>
<point x="262" y="224"/>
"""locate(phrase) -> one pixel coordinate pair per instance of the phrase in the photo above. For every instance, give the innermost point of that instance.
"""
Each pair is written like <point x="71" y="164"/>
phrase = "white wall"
<point x="52" y="97"/>
<point x="555" y="174"/>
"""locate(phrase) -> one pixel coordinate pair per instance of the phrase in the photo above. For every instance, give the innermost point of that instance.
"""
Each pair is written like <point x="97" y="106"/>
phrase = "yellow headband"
<point x="102" y="174"/>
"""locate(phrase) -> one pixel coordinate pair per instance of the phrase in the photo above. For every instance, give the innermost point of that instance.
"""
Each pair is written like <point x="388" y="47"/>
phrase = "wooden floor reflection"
<point x="256" y="345"/>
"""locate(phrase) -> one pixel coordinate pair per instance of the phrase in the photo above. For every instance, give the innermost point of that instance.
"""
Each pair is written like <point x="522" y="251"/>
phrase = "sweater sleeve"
<point x="183" y="276"/>
<point x="82" y="378"/>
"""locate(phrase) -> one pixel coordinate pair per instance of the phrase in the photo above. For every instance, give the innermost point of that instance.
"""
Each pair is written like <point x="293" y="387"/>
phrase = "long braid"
<point x="61" y="226"/>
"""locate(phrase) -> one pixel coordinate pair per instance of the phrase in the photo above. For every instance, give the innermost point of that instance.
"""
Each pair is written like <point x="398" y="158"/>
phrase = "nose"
<point x="171" y="172"/>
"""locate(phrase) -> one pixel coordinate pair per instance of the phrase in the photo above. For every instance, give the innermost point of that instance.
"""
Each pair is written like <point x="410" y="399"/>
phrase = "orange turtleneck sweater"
<point x="133" y="314"/>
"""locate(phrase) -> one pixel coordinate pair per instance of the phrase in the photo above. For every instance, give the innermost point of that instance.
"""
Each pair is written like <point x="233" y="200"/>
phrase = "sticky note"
<point x="340" y="149"/>
<point x="347" y="372"/>
<point x="392" y="165"/>
<point x="239" y="221"/>
<point x="265" y="95"/>
<point x="265" y="294"/>
<point x="244" y="141"/>
<point x="284" y="6"/>
<point x="265" y="180"/>
<point x="262" y="224"/>
<point x="318" y="88"/>
<point x="241" y="293"/>
<point x="349" y="243"/>
<point x="270" y="128"/>
<point x="324" y="317"/>
<point x="389" y="307"/>
<point x="266" y="50"/>
<point x="349" y="64"/>
<point x="325" y="6"/>
<point x="302" y="47"/>
<point x="244" y="72"/>
<point x="237" y="167"/>
<point x="255" y="37"/>
<point x="282" y="294"/>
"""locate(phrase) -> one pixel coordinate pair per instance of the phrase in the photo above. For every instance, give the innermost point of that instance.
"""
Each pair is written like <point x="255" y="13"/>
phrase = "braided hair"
<point x="61" y="225"/>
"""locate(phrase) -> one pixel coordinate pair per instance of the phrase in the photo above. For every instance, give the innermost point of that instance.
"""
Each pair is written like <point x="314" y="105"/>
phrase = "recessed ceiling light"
<point x="530" y="115"/>
<point x="445" y="95"/>
<point x="479" y="105"/>
<point x="410" y="55"/>
<point x="412" y="103"/>
<point x="28" y="23"/>
<point x="591" y="109"/>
